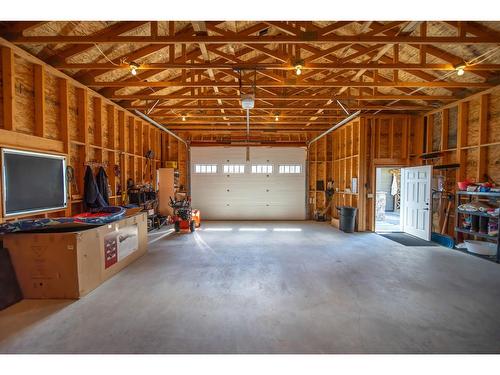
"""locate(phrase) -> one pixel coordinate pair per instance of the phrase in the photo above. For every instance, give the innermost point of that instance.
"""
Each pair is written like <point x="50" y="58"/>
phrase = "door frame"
<point x="381" y="164"/>
<point x="375" y="192"/>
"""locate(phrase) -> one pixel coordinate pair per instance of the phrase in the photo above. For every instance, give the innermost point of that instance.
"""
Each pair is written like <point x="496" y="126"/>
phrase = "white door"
<point x="416" y="200"/>
<point x="270" y="186"/>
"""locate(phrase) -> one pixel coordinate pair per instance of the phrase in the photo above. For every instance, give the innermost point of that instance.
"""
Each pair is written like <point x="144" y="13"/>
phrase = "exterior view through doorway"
<point x="388" y="199"/>
<point x="403" y="199"/>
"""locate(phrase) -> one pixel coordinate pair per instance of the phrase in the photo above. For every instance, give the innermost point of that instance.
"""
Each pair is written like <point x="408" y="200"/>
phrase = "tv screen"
<point x="32" y="182"/>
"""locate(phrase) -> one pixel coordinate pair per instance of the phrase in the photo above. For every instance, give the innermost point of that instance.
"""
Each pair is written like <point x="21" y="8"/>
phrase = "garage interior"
<point x="275" y="133"/>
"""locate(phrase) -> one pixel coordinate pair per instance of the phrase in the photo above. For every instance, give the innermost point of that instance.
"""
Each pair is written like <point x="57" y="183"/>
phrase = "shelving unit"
<point x="460" y="196"/>
<point x="320" y="169"/>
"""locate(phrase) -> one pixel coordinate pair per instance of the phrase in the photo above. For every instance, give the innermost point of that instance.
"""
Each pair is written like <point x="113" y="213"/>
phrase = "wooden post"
<point x="123" y="149"/>
<point x="362" y="175"/>
<point x="111" y="127"/>
<point x="419" y="138"/>
<point x="131" y="135"/>
<point x="405" y="139"/>
<point x="65" y="136"/>
<point x="463" y="113"/>
<point x="121" y="131"/>
<point x="483" y="137"/>
<point x="444" y="129"/>
<point x="8" y="88"/>
<point x="39" y="93"/>
<point x="112" y="155"/>
<point x="430" y="129"/>
<point x="82" y="104"/>
<point x="97" y="121"/>
<point x="63" y="114"/>
<point x="83" y="150"/>
<point x="391" y="139"/>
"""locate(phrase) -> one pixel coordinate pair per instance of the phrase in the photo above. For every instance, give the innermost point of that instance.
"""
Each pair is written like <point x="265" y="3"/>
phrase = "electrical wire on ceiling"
<point x="105" y="56"/>
<point x="476" y="60"/>
<point x="123" y="61"/>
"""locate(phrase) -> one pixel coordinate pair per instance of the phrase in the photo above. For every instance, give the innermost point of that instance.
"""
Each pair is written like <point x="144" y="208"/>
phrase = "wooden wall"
<point x="354" y="151"/>
<point x="41" y="109"/>
<point x="466" y="132"/>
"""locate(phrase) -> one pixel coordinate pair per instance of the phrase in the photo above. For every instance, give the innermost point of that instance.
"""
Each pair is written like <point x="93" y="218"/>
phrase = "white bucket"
<point x="481" y="247"/>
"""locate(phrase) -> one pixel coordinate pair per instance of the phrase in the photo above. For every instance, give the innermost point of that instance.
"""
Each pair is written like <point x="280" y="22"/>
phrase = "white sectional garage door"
<point x="271" y="186"/>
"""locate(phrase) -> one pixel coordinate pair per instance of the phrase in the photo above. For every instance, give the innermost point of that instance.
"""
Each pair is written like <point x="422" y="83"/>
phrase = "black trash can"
<point x="347" y="218"/>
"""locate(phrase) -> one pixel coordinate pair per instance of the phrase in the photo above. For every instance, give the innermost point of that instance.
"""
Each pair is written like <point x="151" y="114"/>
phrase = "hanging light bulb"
<point x="133" y="68"/>
<point x="183" y="118"/>
<point x="298" y="65"/>
<point x="276" y="117"/>
<point x="460" y="69"/>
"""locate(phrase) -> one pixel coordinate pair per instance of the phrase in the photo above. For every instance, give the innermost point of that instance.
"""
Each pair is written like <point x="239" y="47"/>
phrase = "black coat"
<point x="102" y="184"/>
<point x="92" y="197"/>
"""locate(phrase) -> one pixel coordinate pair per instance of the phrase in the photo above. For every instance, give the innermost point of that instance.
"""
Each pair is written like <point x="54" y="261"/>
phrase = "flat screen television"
<point x="32" y="182"/>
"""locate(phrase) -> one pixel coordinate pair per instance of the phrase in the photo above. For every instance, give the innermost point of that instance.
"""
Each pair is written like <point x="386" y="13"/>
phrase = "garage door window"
<point x="262" y="169"/>
<point x="290" y="169"/>
<point x="205" y="168"/>
<point x="234" y="168"/>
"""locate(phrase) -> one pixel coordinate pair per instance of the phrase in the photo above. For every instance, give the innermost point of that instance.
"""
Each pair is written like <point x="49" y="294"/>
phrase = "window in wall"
<point x="262" y="168"/>
<point x="229" y="168"/>
<point x="205" y="168"/>
<point x="290" y="169"/>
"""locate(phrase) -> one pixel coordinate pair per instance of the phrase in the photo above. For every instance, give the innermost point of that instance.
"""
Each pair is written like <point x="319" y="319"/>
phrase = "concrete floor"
<point x="313" y="290"/>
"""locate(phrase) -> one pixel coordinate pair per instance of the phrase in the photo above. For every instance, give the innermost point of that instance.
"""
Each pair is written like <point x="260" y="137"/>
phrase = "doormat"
<point x="407" y="240"/>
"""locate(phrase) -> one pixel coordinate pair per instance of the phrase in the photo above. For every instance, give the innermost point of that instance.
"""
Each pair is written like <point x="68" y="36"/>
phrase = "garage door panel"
<point x="249" y="196"/>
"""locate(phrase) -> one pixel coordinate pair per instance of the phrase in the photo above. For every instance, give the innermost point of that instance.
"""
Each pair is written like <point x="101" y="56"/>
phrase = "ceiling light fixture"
<point x="183" y="118"/>
<point x="276" y="117"/>
<point x="460" y="69"/>
<point x="298" y="69"/>
<point x="133" y="68"/>
<point x="298" y="65"/>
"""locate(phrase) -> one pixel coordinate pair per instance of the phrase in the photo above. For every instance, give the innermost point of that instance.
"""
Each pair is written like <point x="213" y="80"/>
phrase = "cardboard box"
<point x="70" y="265"/>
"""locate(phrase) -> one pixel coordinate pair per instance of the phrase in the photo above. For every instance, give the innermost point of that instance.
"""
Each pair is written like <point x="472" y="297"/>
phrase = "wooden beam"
<point x="263" y="97"/>
<point x="281" y="107"/>
<point x="21" y="26"/>
<point x="30" y="142"/>
<point x="302" y="38"/>
<point x="289" y="84"/>
<point x="73" y="50"/>
<point x="8" y="88"/>
<point x="39" y="94"/>
<point x="370" y="65"/>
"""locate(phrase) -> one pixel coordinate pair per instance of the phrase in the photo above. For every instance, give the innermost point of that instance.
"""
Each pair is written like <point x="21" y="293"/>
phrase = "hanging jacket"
<point x="92" y="198"/>
<point x="102" y="184"/>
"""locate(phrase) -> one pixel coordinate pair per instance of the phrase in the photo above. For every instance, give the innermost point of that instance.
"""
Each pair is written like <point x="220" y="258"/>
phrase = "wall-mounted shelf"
<point x="475" y="213"/>
<point x="477" y="234"/>
<point x="470" y="195"/>
<point x="479" y="193"/>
